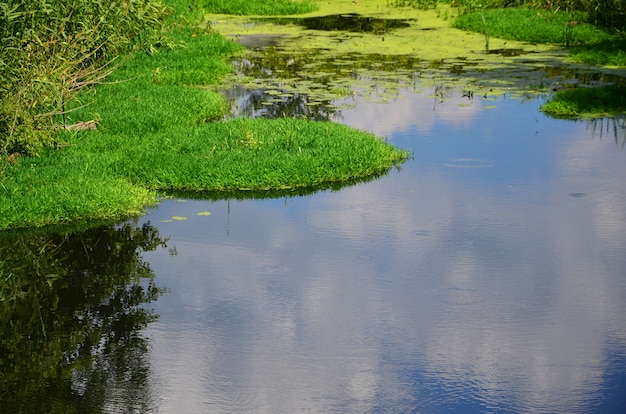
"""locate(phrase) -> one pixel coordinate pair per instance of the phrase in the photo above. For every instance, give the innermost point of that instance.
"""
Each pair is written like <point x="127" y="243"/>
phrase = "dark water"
<point x="487" y="275"/>
<point x="348" y="22"/>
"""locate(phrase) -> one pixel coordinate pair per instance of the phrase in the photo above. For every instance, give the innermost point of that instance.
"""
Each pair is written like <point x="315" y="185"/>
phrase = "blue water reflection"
<point x="469" y="281"/>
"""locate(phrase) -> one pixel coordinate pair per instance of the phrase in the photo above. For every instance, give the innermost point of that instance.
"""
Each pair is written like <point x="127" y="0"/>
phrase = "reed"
<point x="52" y="49"/>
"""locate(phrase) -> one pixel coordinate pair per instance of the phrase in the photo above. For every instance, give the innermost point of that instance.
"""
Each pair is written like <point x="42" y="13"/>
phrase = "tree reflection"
<point x="615" y="128"/>
<point x="71" y="315"/>
<point x="351" y="22"/>
<point x="308" y="84"/>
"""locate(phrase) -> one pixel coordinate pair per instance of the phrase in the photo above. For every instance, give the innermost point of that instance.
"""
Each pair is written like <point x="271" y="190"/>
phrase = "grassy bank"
<point x="587" y="102"/>
<point x="159" y="129"/>
<point x="586" y="43"/>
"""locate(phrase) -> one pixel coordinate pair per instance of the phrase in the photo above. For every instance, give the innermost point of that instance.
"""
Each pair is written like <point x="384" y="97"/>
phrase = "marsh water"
<point x="487" y="274"/>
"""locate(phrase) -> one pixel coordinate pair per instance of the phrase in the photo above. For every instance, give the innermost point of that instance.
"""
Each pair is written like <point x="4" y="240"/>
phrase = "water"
<point x="485" y="276"/>
<point x="488" y="274"/>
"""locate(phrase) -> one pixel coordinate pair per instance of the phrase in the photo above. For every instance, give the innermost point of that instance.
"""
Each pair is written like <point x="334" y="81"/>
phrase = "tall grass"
<point x="53" y="48"/>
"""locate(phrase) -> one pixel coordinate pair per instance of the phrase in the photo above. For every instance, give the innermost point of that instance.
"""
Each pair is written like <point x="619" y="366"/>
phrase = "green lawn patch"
<point x="243" y="154"/>
<point x="587" y="43"/>
<point x="102" y="175"/>
<point x="583" y="102"/>
<point x="610" y="52"/>
<point x="61" y="188"/>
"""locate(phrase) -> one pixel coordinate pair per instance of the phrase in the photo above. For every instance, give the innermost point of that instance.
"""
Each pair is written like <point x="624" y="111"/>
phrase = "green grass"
<point x="583" y="102"/>
<point x="243" y="154"/>
<point x="529" y="25"/>
<point x="259" y="8"/>
<point x="159" y="131"/>
<point x="588" y="43"/>
<point x="610" y="52"/>
<point x="58" y="188"/>
<point x="101" y="175"/>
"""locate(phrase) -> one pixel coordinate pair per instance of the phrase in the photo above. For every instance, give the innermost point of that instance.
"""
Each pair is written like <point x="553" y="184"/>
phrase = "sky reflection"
<point x="496" y="285"/>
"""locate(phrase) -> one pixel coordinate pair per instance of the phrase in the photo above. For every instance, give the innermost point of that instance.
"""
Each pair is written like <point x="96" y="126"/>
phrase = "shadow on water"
<point x="349" y="22"/>
<point x="71" y="315"/>
<point x="270" y="194"/>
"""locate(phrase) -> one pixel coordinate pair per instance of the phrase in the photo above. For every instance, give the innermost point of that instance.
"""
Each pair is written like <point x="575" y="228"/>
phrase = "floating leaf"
<point x="179" y="218"/>
<point x="166" y="221"/>
<point x="204" y="213"/>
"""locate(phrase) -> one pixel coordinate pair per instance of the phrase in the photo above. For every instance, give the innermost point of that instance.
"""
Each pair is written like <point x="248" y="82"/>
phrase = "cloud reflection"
<point x="431" y="289"/>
